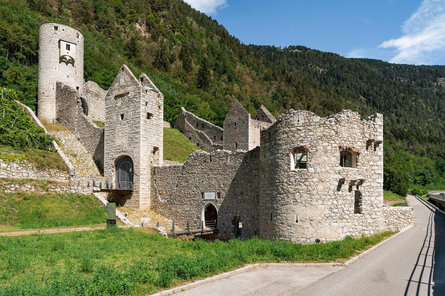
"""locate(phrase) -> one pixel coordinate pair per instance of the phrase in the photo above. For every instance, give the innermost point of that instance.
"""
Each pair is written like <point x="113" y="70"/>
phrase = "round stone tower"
<point x="60" y="59"/>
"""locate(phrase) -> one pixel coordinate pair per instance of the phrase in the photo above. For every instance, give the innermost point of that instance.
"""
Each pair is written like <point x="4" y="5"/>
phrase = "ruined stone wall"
<point x="317" y="202"/>
<point x="95" y="97"/>
<point x="236" y="128"/>
<point x="233" y="177"/>
<point x="70" y="114"/>
<point x="204" y="134"/>
<point x="61" y="51"/>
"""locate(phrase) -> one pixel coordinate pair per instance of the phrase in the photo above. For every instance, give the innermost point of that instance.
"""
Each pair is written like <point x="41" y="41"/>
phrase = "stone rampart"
<point x="227" y="180"/>
<point x="70" y="113"/>
<point x="95" y="99"/>
<point x="204" y="134"/>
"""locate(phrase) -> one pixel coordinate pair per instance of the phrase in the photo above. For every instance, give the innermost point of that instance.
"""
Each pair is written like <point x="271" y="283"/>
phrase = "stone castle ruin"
<point x="300" y="177"/>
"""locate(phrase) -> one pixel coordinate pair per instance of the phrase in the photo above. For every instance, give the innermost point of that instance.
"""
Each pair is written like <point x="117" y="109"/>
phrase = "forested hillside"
<point x="197" y="64"/>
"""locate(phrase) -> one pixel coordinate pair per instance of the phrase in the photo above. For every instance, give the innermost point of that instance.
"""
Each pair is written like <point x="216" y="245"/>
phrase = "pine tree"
<point x="203" y="78"/>
<point x="161" y="59"/>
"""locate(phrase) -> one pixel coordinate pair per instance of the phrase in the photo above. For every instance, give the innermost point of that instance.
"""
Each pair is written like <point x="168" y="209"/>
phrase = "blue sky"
<point x="398" y="31"/>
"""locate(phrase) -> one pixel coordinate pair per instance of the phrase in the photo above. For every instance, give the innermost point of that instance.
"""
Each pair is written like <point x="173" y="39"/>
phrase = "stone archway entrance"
<point x="124" y="173"/>
<point x="210" y="216"/>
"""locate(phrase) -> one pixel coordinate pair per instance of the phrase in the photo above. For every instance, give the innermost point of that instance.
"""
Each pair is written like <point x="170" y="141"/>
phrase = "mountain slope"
<point x="197" y="64"/>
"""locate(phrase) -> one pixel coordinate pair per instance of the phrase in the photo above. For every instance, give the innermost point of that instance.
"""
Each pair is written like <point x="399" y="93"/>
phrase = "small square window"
<point x="68" y="47"/>
<point x="149" y="115"/>
<point x="348" y="159"/>
<point x="122" y="116"/>
<point x="299" y="157"/>
<point x="56" y="28"/>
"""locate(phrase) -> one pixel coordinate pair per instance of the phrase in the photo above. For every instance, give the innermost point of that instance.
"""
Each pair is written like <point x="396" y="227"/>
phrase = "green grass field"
<point x="134" y="262"/>
<point x="388" y="195"/>
<point x="177" y="147"/>
<point x="20" y="211"/>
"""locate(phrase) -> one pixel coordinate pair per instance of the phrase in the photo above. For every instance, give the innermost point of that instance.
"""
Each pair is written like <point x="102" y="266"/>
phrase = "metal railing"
<point x="186" y="228"/>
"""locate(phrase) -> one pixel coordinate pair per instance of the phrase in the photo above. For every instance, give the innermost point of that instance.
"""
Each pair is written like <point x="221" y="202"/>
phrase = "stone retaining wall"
<point x="397" y="218"/>
<point x="23" y="169"/>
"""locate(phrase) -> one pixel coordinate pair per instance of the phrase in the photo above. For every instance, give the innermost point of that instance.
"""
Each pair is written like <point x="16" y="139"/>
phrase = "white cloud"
<point x="423" y="39"/>
<point x="207" y="6"/>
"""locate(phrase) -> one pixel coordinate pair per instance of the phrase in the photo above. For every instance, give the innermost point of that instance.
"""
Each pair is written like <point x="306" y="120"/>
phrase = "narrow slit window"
<point x="122" y="116"/>
<point x="357" y="202"/>
<point x="68" y="47"/>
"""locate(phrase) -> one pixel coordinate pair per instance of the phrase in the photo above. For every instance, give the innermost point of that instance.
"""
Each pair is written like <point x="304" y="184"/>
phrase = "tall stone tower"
<point x="60" y="59"/>
<point x="133" y="135"/>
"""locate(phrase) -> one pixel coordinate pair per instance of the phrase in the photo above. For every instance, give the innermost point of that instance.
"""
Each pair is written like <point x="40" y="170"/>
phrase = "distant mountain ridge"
<point x="197" y="64"/>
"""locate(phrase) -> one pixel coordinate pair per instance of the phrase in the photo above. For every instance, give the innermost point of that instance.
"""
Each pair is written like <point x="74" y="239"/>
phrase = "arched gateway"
<point x="210" y="216"/>
<point x="124" y="173"/>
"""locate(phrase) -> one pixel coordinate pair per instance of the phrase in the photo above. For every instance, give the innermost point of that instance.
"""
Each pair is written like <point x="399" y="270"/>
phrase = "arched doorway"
<point x="124" y="173"/>
<point x="210" y="216"/>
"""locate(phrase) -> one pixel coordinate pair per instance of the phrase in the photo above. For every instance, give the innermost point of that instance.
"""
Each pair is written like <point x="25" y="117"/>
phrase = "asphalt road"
<point x="413" y="263"/>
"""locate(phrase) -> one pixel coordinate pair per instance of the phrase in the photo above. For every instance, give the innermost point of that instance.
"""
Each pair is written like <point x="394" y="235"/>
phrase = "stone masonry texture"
<point x="60" y="59"/>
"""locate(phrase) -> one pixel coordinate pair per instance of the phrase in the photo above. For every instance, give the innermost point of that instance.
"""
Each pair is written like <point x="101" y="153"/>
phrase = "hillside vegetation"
<point x="197" y="64"/>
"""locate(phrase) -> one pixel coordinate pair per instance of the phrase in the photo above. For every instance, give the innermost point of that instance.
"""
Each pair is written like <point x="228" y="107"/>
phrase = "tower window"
<point x="299" y="157"/>
<point x="348" y="158"/>
<point x="149" y="115"/>
<point x="56" y="28"/>
<point x="122" y="116"/>
<point x="67" y="46"/>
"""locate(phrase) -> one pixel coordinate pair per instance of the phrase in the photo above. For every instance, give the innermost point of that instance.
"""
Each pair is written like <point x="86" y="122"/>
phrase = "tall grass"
<point x="133" y="262"/>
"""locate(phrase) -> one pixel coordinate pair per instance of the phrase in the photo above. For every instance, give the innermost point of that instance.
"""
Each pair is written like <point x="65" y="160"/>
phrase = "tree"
<point x="161" y="58"/>
<point x="186" y="58"/>
<point x="203" y="78"/>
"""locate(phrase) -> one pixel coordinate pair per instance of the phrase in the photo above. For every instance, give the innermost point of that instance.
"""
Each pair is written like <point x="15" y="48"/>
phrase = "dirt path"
<point x="52" y="230"/>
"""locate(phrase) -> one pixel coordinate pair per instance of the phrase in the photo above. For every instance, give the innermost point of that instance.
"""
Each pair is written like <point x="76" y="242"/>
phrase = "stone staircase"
<point x="77" y="154"/>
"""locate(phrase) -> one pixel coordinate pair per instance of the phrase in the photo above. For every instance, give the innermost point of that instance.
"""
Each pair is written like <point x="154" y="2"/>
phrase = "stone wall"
<point x="318" y="202"/>
<point x="204" y="134"/>
<point x="42" y="186"/>
<point x="231" y="177"/>
<point x="95" y="97"/>
<point x="23" y="169"/>
<point x="398" y="218"/>
<point x="71" y="114"/>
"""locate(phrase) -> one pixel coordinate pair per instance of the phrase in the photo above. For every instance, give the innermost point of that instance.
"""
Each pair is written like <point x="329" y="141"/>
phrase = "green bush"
<point x="416" y="190"/>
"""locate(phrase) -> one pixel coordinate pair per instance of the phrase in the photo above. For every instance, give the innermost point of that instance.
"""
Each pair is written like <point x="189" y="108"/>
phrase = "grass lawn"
<point x="135" y="262"/>
<point x="20" y="211"/>
<point x="177" y="147"/>
<point x="388" y="195"/>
